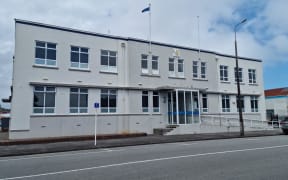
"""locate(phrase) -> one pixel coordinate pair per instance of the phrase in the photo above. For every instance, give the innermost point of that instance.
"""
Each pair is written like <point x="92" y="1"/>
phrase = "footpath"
<point x="17" y="149"/>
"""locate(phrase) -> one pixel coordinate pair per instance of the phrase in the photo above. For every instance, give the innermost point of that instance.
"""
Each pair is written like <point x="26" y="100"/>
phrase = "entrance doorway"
<point x="183" y="107"/>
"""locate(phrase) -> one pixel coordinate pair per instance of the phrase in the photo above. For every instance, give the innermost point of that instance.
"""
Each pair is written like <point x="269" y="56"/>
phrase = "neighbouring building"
<point x="276" y="102"/>
<point x="59" y="73"/>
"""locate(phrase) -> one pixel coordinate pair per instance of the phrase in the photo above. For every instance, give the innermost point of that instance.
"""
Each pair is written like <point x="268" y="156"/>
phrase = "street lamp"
<point x="238" y="82"/>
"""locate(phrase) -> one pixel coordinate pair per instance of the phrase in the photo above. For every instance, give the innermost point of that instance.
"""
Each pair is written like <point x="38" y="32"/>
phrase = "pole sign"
<point x="96" y="105"/>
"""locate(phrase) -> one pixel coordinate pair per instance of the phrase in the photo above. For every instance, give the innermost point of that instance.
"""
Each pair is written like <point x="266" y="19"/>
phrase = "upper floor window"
<point x="203" y="70"/>
<point x="252" y="76"/>
<point x="108" y="61"/>
<point x="145" y="100"/>
<point x="79" y="57"/>
<point x="108" y="100"/>
<point x="78" y="100"/>
<point x="224" y="73"/>
<point x="240" y="74"/>
<point x="144" y="63"/>
<point x="155" y="68"/>
<point x="195" y="69"/>
<point x="44" y="99"/>
<point x="254" y="103"/>
<point x="180" y="67"/>
<point x="172" y="67"/>
<point x="45" y="53"/>
<point x="225" y="103"/>
<point x="204" y="103"/>
<point x="156" y="107"/>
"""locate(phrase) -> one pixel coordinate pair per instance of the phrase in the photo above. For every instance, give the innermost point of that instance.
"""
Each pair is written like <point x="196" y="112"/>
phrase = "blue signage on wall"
<point x="96" y="105"/>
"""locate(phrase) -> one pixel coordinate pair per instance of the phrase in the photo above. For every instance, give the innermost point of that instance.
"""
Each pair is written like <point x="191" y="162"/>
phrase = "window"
<point x="155" y="69"/>
<point x="224" y="73"/>
<point x="108" y="100"/>
<point x="254" y="103"/>
<point x="79" y="57"/>
<point x="252" y="76"/>
<point x="78" y="100"/>
<point x="171" y="67"/>
<point x="204" y="103"/>
<point x="195" y="69"/>
<point x="144" y="63"/>
<point x="44" y="100"/>
<point x="180" y="67"/>
<point x="203" y="70"/>
<point x="240" y="73"/>
<point x="108" y="61"/>
<point x="145" y="101"/>
<point x="156" y="101"/>
<point x="45" y="53"/>
<point x="225" y="103"/>
<point x="241" y="102"/>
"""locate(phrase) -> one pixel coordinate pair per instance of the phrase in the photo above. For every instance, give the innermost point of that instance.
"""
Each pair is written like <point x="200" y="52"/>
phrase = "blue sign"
<point x="96" y="105"/>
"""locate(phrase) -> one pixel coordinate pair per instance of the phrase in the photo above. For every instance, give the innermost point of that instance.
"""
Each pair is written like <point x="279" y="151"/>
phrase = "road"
<point x="243" y="158"/>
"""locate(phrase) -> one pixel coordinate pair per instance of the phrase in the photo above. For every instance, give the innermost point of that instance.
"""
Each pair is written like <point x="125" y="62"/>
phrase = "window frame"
<point x="155" y="60"/>
<point x="195" y="69"/>
<point x="205" y="99"/>
<point x="224" y="73"/>
<point x="79" y="52"/>
<point x="45" y="92"/>
<point x="109" y="93"/>
<point x="171" y="63"/>
<point x="79" y="109"/>
<point x="242" y="101"/>
<point x="156" y="107"/>
<point x="252" y="76"/>
<point x="145" y="60"/>
<point x="46" y="49"/>
<point x="240" y="75"/>
<point x="254" y="104"/>
<point x="145" y="108"/>
<point x="108" y="67"/>
<point x="225" y="103"/>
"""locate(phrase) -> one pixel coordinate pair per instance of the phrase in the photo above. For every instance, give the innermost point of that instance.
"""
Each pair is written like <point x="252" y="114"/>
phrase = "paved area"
<point x="27" y="149"/>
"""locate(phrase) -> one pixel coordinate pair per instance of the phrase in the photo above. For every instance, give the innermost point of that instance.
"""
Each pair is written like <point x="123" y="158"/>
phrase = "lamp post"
<point x="238" y="82"/>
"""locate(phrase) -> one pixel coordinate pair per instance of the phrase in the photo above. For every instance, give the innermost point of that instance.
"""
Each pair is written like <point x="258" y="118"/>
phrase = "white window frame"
<point x="203" y="70"/>
<point x="252" y="76"/>
<point x="242" y="98"/>
<point x="240" y="74"/>
<point x="155" y="59"/>
<point x="44" y="108"/>
<point x="79" y="65"/>
<point x="224" y="70"/>
<point x="195" y="69"/>
<point x="157" y="95"/>
<point x="180" y="62"/>
<point x="143" y="59"/>
<point x="79" y="109"/>
<point x="172" y="63"/>
<point x="46" y="61"/>
<point x="227" y="104"/>
<point x="145" y="94"/>
<point x="204" y="98"/>
<point x="253" y="103"/>
<point x="109" y="110"/>
<point x="108" y="68"/>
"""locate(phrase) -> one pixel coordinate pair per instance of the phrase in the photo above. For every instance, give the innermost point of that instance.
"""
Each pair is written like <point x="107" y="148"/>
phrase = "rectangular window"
<point x="45" y="53"/>
<point x="79" y="57"/>
<point x="225" y="103"/>
<point x="145" y="101"/>
<point x="108" y="100"/>
<point x="78" y="100"/>
<point x="242" y="102"/>
<point x="252" y="76"/>
<point x="108" y="61"/>
<point x="44" y="100"/>
<point x="171" y="67"/>
<point x="254" y="103"/>
<point x="144" y="63"/>
<point x="155" y="69"/>
<point x="204" y="103"/>
<point x="195" y="69"/>
<point x="203" y="70"/>
<point x="156" y="101"/>
<point x="180" y="67"/>
<point x="223" y="73"/>
<point x="240" y="74"/>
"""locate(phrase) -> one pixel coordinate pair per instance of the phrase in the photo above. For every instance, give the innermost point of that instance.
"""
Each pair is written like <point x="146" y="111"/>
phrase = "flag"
<point x="146" y="9"/>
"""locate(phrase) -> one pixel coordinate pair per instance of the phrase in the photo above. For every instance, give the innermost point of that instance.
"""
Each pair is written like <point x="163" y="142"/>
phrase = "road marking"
<point x="143" y="161"/>
<point x="252" y="139"/>
<point x="187" y="144"/>
<point x="59" y="155"/>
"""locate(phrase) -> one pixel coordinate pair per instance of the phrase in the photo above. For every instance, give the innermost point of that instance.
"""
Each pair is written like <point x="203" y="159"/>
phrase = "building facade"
<point x="276" y="102"/>
<point x="59" y="73"/>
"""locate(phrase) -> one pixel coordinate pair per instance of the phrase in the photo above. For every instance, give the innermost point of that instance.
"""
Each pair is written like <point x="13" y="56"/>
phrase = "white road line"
<point x="252" y="139"/>
<point x="59" y="155"/>
<point x="187" y="144"/>
<point x="143" y="161"/>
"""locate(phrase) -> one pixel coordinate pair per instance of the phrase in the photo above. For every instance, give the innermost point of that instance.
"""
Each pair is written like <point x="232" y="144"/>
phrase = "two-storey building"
<point x="59" y="73"/>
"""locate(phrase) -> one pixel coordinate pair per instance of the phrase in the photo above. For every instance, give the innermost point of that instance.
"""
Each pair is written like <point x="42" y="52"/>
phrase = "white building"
<point x="59" y="73"/>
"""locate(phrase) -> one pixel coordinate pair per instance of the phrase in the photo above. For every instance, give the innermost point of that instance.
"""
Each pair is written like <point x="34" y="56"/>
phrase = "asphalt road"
<point x="243" y="158"/>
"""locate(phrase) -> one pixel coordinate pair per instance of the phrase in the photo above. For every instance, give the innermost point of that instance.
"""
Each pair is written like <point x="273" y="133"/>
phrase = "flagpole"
<point x="198" y="39"/>
<point x="150" y="51"/>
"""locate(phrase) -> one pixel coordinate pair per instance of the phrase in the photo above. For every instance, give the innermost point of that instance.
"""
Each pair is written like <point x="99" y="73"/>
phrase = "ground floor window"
<point x="254" y="103"/>
<point x="145" y="101"/>
<point x="108" y="100"/>
<point x="78" y="100"/>
<point x="156" y="101"/>
<point x="44" y="99"/>
<point x="242" y="103"/>
<point x="225" y="103"/>
<point x="204" y="103"/>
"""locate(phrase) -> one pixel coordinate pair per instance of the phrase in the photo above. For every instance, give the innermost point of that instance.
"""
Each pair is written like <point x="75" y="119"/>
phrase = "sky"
<point x="264" y="36"/>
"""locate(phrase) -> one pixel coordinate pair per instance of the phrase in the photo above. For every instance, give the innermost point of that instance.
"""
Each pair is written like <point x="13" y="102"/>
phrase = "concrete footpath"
<point x="51" y="147"/>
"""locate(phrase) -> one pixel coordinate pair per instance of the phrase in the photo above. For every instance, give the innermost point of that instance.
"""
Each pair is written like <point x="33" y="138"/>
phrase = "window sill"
<point x="150" y="75"/>
<point x="225" y="82"/>
<point x="45" y="66"/>
<point x="241" y="83"/>
<point x="254" y="84"/>
<point x="174" y="77"/>
<point x="108" y="72"/>
<point x="200" y="79"/>
<point x="79" y="69"/>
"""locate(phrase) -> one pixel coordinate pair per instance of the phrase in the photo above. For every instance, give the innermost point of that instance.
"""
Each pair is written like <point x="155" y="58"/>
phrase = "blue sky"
<point x="264" y="36"/>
